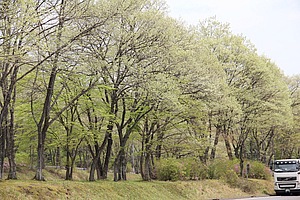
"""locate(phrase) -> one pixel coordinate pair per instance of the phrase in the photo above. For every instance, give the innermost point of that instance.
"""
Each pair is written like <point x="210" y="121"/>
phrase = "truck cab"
<point x="286" y="176"/>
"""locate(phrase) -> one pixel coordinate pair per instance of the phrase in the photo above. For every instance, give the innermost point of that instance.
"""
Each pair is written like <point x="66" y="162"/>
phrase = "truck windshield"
<point x="286" y="166"/>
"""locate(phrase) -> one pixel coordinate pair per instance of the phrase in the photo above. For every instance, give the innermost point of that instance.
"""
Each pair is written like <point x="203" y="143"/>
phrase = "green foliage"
<point x="194" y="169"/>
<point x="169" y="170"/>
<point x="191" y="80"/>
<point x="219" y="168"/>
<point x="230" y="177"/>
<point x="228" y="171"/>
<point x="223" y="168"/>
<point x="259" y="170"/>
<point x="23" y="158"/>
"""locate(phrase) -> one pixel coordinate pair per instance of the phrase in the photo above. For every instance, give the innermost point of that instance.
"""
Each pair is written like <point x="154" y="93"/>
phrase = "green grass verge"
<point x="134" y="188"/>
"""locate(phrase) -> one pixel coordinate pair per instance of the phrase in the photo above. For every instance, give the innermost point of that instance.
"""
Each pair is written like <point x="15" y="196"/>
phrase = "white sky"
<point x="273" y="26"/>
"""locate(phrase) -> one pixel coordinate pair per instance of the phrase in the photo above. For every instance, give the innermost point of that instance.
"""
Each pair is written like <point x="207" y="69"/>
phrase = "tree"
<point x="255" y="90"/>
<point x="289" y="134"/>
<point x="128" y="52"/>
<point x="58" y="38"/>
<point x="17" y="29"/>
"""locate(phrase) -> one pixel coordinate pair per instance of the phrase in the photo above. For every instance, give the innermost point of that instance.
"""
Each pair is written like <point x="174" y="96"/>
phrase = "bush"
<point x="169" y="170"/>
<point x="231" y="178"/>
<point x="229" y="171"/>
<point x="218" y="168"/>
<point x="259" y="171"/>
<point x="194" y="169"/>
<point x="190" y="168"/>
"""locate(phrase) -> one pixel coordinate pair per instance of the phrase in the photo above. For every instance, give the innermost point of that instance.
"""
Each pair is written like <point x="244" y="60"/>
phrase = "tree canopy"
<point x="105" y="85"/>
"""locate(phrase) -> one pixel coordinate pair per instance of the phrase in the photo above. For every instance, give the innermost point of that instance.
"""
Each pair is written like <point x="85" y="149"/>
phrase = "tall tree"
<point x="128" y="51"/>
<point x="66" y="15"/>
<point x="256" y="89"/>
<point x="17" y="28"/>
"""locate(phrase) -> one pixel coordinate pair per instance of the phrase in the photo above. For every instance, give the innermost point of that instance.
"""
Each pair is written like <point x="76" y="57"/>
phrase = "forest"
<point x="118" y="85"/>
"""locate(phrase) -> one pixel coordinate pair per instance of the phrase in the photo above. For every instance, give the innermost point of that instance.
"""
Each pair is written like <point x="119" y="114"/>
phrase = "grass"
<point x="56" y="188"/>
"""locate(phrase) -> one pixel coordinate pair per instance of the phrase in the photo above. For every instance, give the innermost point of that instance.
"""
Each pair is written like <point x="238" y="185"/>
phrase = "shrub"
<point x="231" y="178"/>
<point x="194" y="169"/>
<point x="218" y="168"/>
<point x="189" y="168"/>
<point x="259" y="171"/>
<point x="229" y="171"/>
<point x="169" y="170"/>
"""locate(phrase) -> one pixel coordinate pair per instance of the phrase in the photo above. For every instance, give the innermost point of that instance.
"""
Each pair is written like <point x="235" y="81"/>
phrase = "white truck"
<point x="286" y="176"/>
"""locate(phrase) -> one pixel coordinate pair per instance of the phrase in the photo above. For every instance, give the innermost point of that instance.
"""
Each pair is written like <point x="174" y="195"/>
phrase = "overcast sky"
<point x="273" y="26"/>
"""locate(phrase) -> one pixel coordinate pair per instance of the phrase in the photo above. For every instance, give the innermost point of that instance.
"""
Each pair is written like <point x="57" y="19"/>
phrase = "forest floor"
<point x="134" y="188"/>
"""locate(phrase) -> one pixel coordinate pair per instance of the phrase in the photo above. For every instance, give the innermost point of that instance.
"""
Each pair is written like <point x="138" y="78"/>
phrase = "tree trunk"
<point x="120" y="165"/>
<point x="92" y="170"/>
<point x="40" y="158"/>
<point x="236" y="151"/>
<point x="71" y="168"/>
<point x="99" y="169"/>
<point x="68" y="165"/>
<point x="216" y="141"/>
<point x="117" y="167"/>
<point x="159" y="145"/>
<point x="108" y="154"/>
<point x="11" y="144"/>
<point x="142" y="158"/>
<point x="241" y="162"/>
<point x="43" y="124"/>
<point x="243" y="137"/>
<point x="2" y="150"/>
<point x="95" y="162"/>
<point x="12" y="174"/>
<point x="147" y="168"/>
<point x="146" y="176"/>
<point x="123" y="166"/>
<point x="228" y="146"/>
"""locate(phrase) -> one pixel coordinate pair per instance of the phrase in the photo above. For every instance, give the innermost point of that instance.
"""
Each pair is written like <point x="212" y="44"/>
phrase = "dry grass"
<point x="56" y="188"/>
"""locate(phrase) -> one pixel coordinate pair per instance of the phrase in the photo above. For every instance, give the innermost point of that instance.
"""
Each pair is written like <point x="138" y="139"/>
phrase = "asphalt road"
<point x="272" y="198"/>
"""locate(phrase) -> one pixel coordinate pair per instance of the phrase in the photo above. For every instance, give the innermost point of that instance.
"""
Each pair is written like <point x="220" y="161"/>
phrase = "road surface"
<point x="272" y="198"/>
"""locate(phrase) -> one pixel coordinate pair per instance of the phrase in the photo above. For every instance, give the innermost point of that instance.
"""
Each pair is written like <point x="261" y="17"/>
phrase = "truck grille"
<point x="286" y="178"/>
<point x="285" y="186"/>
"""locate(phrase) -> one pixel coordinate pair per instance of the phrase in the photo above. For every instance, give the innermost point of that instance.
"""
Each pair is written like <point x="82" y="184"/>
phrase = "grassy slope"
<point x="134" y="188"/>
